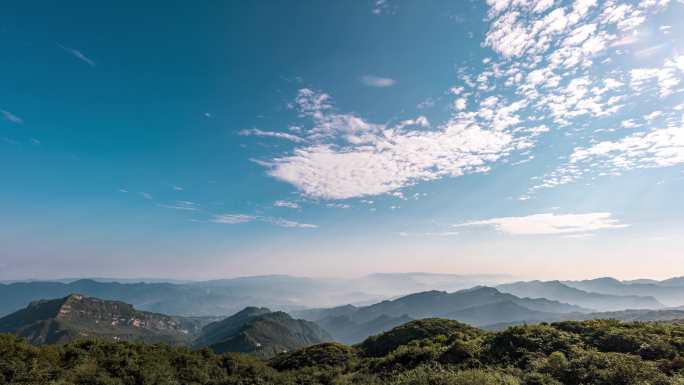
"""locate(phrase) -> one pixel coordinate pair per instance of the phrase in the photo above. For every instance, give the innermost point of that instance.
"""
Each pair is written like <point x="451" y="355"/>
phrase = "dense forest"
<point x="428" y="351"/>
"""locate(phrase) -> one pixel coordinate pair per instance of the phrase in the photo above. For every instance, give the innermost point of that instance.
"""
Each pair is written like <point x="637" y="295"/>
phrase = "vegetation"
<point x="430" y="351"/>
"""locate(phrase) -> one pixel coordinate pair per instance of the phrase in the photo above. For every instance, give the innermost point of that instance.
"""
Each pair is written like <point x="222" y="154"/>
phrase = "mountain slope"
<point x="260" y="332"/>
<point x="555" y="290"/>
<point x="344" y="329"/>
<point x="502" y="312"/>
<point x="77" y="316"/>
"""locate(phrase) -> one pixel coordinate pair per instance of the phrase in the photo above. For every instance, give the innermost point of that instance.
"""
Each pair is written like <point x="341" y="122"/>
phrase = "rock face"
<point x="77" y="316"/>
<point x="260" y="332"/>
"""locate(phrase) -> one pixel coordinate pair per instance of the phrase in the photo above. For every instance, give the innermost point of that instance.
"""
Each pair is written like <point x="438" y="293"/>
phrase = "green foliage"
<point x="427" y="352"/>
<point x="384" y="343"/>
<point x="331" y="355"/>
<point x="519" y="345"/>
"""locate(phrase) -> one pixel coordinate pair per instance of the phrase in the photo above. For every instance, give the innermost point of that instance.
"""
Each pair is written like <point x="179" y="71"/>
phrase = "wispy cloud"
<point x="655" y="148"/>
<point x="234" y="219"/>
<point x="338" y="205"/>
<point x="10" y="117"/>
<point x="570" y="78"/>
<point x="376" y="81"/>
<point x="280" y="222"/>
<point x="78" y="55"/>
<point x="430" y="234"/>
<point x="145" y="195"/>
<point x="271" y="134"/>
<point x="350" y="157"/>
<point x="550" y="223"/>
<point x="180" y="205"/>
<point x="286" y="204"/>
<point x="381" y="6"/>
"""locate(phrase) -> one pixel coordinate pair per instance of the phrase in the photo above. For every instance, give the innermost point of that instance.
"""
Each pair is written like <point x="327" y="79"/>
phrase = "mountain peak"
<point x="77" y="316"/>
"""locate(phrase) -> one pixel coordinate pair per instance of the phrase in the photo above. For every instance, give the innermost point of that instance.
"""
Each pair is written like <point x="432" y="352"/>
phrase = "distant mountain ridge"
<point x="669" y="292"/>
<point x="441" y="304"/>
<point x="556" y="290"/>
<point x="479" y="306"/>
<point x="288" y="293"/>
<point x="226" y="296"/>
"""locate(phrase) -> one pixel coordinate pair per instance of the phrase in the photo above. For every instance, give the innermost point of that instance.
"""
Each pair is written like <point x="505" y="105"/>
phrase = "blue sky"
<point x="537" y="138"/>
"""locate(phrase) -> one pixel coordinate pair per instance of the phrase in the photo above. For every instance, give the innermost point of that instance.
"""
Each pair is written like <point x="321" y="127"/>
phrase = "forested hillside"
<point x="429" y="351"/>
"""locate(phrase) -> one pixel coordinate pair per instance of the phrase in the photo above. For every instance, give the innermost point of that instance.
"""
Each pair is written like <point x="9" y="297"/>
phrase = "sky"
<point x="536" y="138"/>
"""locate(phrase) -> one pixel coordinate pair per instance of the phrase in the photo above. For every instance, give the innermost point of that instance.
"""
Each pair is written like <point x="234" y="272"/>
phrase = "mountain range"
<point x="558" y="291"/>
<point x="478" y="306"/>
<point x="265" y="333"/>
<point x="227" y="296"/>
<point x="287" y="293"/>
<point x="670" y="292"/>
<point x="257" y="331"/>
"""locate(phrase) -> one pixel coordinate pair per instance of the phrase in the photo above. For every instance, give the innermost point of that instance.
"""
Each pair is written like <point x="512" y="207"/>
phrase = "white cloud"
<point x="554" y="64"/>
<point x="286" y="204"/>
<point x="10" y="117"/>
<point x="280" y="222"/>
<point x="376" y="81"/>
<point x="390" y="161"/>
<point x="656" y="148"/>
<point x="146" y="195"/>
<point x="181" y="205"/>
<point x="662" y="147"/>
<point x="232" y="219"/>
<point x="550" y="223"/>
<point x="338" y="205"/>
<point x="349" y="157"/>
<point x="78" y="55"/>
<point x="380" y="7"/>
<point x="271" y="134"/>
<point x="629" y="123"/>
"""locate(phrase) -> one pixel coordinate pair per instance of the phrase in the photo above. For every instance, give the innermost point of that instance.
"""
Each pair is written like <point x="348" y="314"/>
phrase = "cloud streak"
<point x="234" y="219"/>
<point x="286" y="204"/>
<point x="78" y="55"/>
<point x="270" y="134"/>
<point x="550" y="224"/>
<point x="10" y="117"/>
<point x="376" y="81"/>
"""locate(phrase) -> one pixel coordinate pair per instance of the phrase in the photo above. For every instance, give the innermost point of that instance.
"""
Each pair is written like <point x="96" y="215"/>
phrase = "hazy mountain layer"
<point x="558" y="291"/>
<point x="669" y="292"/>
<point x="227" y="296"/>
